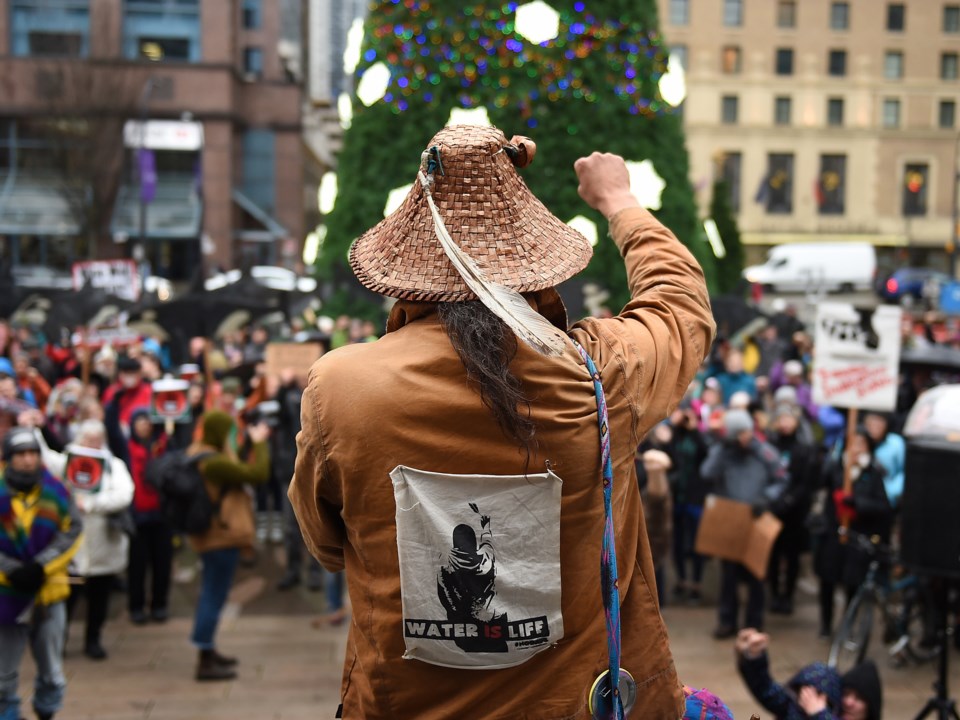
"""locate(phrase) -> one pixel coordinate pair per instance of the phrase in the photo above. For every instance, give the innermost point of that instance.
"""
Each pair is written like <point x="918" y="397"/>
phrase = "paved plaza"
<point x="291" y="671"/>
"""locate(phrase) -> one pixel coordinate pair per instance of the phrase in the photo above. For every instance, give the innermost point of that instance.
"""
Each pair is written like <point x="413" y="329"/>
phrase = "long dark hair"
<point x="486" y="346"/>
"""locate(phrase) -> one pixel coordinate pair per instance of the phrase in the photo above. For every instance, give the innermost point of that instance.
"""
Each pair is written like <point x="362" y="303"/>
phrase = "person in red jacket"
<point x="151" y="549"/>
<point x="130" y="391"/>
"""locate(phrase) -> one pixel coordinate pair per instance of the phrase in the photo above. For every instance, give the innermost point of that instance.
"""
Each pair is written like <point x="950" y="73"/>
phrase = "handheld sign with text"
<point x="84" y="469"/>
<point x="858" y="356"/>
<point x="189" y="372"/>
<point x="170" y="400"/>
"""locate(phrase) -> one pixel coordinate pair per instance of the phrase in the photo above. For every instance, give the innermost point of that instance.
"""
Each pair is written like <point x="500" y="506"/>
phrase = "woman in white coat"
<point x="101" y="498"/>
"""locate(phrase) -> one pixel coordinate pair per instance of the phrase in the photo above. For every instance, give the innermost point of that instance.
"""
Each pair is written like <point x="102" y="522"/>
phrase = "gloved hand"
<point x="28" y="578"/>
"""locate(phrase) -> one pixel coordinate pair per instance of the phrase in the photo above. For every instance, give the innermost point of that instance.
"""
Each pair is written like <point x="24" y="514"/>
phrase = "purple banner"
<point x="147" y="166"/>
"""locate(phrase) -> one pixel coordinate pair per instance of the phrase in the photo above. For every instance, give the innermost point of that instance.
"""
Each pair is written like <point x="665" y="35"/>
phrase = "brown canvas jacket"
<point x="405" y="400"/>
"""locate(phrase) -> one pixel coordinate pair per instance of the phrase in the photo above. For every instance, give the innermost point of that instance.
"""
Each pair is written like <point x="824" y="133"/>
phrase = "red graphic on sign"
<point x="170" y="403"/>
<point x="861" y="379"/>
<point x="84" y="473"/>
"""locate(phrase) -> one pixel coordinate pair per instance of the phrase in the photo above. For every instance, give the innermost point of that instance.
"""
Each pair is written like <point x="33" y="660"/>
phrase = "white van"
<point x="824" y="267"/>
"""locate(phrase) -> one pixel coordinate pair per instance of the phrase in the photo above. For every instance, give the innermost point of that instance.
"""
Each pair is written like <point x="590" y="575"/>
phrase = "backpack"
<point x="184" y="501"/>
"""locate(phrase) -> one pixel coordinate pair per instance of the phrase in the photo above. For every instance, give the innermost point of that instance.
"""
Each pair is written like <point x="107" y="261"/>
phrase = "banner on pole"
<point x="117" y="277"/>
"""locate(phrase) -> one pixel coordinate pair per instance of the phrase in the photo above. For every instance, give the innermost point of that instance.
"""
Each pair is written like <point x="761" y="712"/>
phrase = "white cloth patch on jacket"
<point x="479" y="566"/>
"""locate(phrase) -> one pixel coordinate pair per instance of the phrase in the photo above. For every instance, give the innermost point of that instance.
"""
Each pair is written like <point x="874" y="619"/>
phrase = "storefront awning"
<point x="270" y="230"/>
<point x="31" y="204"/>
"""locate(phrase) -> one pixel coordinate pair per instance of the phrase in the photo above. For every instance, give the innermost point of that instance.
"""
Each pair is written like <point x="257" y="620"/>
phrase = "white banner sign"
<point x="117" y="277"/>
<point x="858" y="357"/>
<point x="163" y="134"/>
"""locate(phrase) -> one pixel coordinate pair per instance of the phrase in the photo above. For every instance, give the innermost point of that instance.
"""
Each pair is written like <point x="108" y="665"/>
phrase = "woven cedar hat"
<point x="489" y="212"/>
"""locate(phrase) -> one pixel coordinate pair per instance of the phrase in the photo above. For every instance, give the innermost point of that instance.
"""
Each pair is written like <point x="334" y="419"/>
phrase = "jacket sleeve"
<point x="222" y="471"/>
<point x="115" y="495"/>
<point x="756" y="675"/>
<point x="57" y="555"/>
<point x="53" y="461"/>
<point x="661" y="336"/>
<point x="317" y="499"/>
<point x="712" y="468"/>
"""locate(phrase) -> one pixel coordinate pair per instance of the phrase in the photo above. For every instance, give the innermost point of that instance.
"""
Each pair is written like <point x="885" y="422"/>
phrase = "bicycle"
<point x="901" y="606"/>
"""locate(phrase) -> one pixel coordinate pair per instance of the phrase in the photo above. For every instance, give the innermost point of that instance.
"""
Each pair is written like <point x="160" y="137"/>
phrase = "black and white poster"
<point x="479" y="566"/>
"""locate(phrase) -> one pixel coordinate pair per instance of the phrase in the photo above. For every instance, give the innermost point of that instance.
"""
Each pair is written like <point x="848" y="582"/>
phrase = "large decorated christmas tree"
<point x="574" y="75"/>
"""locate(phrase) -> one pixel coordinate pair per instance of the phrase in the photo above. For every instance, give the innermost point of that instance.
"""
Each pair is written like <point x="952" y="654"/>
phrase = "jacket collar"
<point x="547" y="302"/>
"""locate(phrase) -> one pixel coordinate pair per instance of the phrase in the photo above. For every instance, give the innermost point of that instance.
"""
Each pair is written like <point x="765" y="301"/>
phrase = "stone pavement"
<point x="291" y="671"/>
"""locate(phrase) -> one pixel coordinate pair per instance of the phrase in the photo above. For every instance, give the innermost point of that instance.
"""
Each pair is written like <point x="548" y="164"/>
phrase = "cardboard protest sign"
<point x="84" y="469"/>
<point x="169" y="400"/>
<point x="729" y="531"/>
<point x="298" y="357"/>
<point x="858" y="356"/>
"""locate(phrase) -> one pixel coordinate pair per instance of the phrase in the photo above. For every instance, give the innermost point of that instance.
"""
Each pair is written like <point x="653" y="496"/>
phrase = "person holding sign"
<point x="744" y="469"/>
<point x="102" y="489"/>
<point x="39" y="534"/>
<point x="866" y="508"/>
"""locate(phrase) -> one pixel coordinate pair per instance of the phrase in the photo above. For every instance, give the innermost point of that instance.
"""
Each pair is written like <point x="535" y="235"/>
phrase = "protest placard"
<point x="298" y="357"/>
<point x="169" y="400"/>
<point x="858" y="356"/>
<point x="729" y="531"/>
<point x="117" y="277"/>
<point x="84" y="469"/>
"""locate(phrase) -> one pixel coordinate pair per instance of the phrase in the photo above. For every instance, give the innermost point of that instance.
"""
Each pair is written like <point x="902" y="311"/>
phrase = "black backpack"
<point x="184" y="501"/>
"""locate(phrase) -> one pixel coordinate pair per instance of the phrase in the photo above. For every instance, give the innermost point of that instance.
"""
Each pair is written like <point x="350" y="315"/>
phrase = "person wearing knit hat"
<point x="747" y="470"/>
<point x="232" y="529"/>
<point x="862" y="693"/>
<point x="416" y="448"/>
<point x="704" y="705"/>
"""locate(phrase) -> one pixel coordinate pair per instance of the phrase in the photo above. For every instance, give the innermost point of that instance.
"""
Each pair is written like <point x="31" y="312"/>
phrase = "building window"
<point x="840" y="16"/>
<point x="951" y="18"/>
<point x="779" y="184"/>
<point x="784" y="61"/>
<point x="835" y="112"/>
<point x="893" y="65"/>
<point x="160" y="49"/>
<point x="253" y="61"/>
<point x="896" y="17"/>
<point x="948" y="114"/>
<point x="259" y="168"/>
<point x="252" y="14"/>
<point x="837" y="63"/>
<point x="731" y="174"/>
<point x="730" y="60"/>
<point x="733" y="13"/>
<point x="786" y="14"/>
<point x="679" y="12"/>
<point x="162" y="30"/>
<point x="729" y="109"/>
<point x="781" y="110"/>
<point x="948" y="66"/>
<point x="891" y="113"/>
<point x="830" y="188"/>
<point x="56" y="28"/>
<point x="915" y="177"/>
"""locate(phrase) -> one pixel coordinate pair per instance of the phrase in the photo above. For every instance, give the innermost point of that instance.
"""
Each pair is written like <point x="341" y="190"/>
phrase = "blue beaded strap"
<point x="608" y="553"/>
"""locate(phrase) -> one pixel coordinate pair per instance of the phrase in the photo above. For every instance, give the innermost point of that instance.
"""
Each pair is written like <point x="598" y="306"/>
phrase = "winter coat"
<point x="688" y="450"/>
<point x="104" y="547"/>
<point x="845" y="562"/>
<point x="226" y="479"/>
<point x="405" y="400"/>
<point x="891" y="454"/>
<point x="751" y="475"/>
<point x="782" y="702"/>
<point x="41" y="526"/>
<point x="146" y="499"/>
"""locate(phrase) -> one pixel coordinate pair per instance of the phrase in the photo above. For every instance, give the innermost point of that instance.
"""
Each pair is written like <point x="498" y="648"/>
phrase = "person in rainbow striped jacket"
<point x="39" y="533"/>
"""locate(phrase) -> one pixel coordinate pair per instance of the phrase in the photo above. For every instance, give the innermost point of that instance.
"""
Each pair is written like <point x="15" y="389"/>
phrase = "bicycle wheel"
<point x="850" y="643"/>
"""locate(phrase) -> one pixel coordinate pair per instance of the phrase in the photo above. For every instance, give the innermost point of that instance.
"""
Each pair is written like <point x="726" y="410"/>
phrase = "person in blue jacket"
<point x="890" y="453"/>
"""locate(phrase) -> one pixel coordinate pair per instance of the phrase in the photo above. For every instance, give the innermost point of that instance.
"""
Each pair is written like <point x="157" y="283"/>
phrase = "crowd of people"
<point x="81" y="516"/>
<point x="747" y="430"/>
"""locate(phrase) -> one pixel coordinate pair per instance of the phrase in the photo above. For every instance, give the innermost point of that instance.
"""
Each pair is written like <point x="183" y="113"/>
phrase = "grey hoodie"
<point x="753" y="475"/>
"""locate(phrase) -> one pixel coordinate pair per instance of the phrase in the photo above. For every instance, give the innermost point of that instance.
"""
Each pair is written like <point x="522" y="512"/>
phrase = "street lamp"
<point x="145" y="96"/>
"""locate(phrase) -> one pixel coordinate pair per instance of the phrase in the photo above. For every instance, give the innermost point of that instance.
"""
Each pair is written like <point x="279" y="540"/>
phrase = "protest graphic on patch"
<point x="479" y="566"/>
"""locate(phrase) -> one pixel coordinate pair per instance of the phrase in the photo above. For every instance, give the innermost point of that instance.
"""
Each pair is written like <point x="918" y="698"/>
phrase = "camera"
<point x="267" y="412"/>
